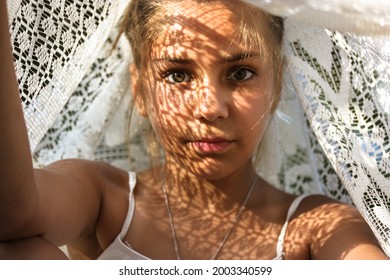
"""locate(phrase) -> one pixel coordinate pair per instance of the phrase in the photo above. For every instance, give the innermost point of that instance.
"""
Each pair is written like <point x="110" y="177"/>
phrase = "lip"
<point x="213" y="145"/>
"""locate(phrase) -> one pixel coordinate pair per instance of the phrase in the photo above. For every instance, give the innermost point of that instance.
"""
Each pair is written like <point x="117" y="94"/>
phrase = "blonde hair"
<point x="146" y="20"/>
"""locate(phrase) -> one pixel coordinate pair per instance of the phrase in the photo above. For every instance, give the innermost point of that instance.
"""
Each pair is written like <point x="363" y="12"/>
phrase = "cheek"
<point x="168" y="112"/>
<point x="254" y="105"/>
<point x="254" y="113"/>
<point x="167" y="101"/>
<point x="175" y="101"/>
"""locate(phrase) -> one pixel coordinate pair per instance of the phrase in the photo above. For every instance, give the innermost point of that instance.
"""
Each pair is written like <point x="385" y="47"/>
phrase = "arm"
<point x="33" y="248"/>
<point x="340" y="232"/>
<point x="61" y="202"/>
<point x="16" y="172"/>
<point x="351" y="238"/>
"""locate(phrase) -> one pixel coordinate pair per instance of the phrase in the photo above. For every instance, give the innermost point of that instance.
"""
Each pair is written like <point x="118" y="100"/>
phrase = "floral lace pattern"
<point x="341" y="85"/>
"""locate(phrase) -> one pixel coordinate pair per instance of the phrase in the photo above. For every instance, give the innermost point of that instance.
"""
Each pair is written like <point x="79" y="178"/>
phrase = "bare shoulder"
<point x="93" y="178"/>
<point x="337" y="230"/>
<point x="91" y="199"/>
<point x="97" y="172"/>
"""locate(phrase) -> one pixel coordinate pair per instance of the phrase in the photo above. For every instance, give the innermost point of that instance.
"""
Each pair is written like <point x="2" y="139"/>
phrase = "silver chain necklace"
<point x="175" y="244"/>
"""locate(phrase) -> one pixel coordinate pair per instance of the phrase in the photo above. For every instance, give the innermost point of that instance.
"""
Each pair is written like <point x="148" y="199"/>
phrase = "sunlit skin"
<point x="209" y="98"/>
<point x="210" y="106"/>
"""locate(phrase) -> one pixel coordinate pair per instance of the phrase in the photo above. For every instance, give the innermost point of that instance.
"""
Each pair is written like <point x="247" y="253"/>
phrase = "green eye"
<point x="176" y="77"/>
<point x="241" y="74"/>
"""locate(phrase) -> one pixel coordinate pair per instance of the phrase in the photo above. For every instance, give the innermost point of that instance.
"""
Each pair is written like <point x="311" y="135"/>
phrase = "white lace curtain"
<point x="334" y="111"/>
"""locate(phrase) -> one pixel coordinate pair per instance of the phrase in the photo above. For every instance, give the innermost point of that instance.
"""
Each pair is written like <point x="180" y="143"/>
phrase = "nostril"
<point x="211" y="109"/>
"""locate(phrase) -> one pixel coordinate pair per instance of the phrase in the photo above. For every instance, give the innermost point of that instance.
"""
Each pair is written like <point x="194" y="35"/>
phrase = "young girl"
<point x="207" y="75"/>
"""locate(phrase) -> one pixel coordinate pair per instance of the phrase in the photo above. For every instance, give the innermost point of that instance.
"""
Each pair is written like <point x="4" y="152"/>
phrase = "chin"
<point x="209" y="169"/>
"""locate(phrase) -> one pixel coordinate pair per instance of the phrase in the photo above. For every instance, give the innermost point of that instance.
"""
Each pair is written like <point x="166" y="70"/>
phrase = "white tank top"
<point x="118" y="250"/>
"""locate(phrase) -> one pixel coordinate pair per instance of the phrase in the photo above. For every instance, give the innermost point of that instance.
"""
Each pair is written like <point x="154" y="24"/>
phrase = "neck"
<point x="223" y="193"/>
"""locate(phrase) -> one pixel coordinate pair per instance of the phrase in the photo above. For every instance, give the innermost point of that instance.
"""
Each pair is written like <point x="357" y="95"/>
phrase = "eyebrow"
<point x="240" y="56"/>
<point x="225" y="58"/>
<point x="173" y="60"/>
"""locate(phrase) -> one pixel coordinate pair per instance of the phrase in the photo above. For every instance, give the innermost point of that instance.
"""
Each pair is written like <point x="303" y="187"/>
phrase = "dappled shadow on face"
<point x="209" y="95"/>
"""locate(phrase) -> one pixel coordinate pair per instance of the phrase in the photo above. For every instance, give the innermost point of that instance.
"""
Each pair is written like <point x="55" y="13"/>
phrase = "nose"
<point x="212" y="103"/>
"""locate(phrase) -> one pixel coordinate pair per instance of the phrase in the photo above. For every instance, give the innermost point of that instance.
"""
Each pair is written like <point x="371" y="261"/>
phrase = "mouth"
<point x="212" y="145"/>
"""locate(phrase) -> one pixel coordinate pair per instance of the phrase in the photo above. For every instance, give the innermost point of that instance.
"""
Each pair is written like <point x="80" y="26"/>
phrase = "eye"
<point x="176" y="77"/>
<point x="241" y="74"/>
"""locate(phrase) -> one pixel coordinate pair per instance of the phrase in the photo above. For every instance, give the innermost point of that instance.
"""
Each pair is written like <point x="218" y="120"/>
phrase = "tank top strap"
<point x="131" y="207"/>
<point x="293" y="207"/>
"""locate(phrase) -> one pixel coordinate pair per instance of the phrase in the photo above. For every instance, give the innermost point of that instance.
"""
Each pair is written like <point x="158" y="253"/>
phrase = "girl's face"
<point x="210" y="95"/>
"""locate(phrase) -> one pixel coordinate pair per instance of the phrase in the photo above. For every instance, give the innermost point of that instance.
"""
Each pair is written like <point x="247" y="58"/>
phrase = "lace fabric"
<point x="344" y="90"/>
<point x="331" y="126"/>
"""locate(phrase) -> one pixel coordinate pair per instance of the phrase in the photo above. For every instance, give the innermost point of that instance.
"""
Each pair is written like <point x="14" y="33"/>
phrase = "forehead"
<point x="205" y="29"/>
